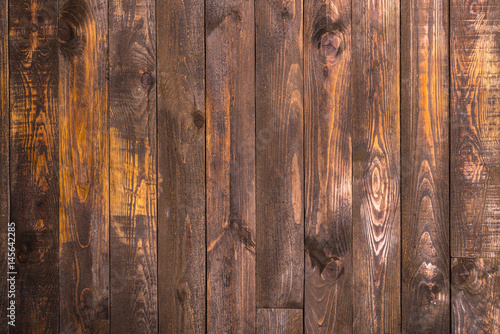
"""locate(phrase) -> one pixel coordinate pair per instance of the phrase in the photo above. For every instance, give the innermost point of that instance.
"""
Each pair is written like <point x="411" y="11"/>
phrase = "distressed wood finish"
<point x="133" y="232"/>
<point x="424" y="161"/>
<point x="327" y="163"/>
<point x="181" y="166"/>
<point x="34" y="169"/>
<point x="475" y="135"/>
<point x="375" y="208"/>
<point x="279" y="167"/>
<point x="83" y="173"/>
<point x="279" y="321"/>
<point x="475" y="295"/>
<point x="230" y="103"/>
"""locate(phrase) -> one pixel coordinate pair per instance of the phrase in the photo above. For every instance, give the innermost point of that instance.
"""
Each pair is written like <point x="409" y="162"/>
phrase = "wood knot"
<point x="325" y="71"/>
<point x="34" y="28"/>
<point x="198" y="120"/>
<point x="146" y="79"/>
<point x="66" y="32"/>
<point x="461" y="272"/>
<point x="333" y="269"/>
<point x="330" y="44"/>
<point x="473" y="8"/>
<point x="23" y="255"/>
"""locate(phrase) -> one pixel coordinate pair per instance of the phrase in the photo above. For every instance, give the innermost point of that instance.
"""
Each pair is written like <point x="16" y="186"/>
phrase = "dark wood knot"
<point x="66" y="32"/>
<point x="147" y="79"/>
<point x="333" y="269"/>
<point x="330" y="44"/>
<point x="34" y="28"/>
<point x="198" y="120"/>
<point x="461" y="272"/>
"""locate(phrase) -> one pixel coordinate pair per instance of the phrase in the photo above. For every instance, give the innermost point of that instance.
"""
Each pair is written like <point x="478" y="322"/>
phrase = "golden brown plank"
<point x="279" y="167"/>
<point x="327" y="163"/>
<point x="133" y="191"/>
<point x="181" y="166"/>
<point x="475" y="134"/>
<point x="424" y="160"/>
<point x="375" y="208"/>
<point x="475" y="296"/>
<point x="83" y="154"/>
<point x="230" y="103"/>
<point x="279" y="321"/>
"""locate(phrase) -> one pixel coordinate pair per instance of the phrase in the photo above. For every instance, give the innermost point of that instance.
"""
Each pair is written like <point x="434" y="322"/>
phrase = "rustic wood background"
<point x="251" y="166"/>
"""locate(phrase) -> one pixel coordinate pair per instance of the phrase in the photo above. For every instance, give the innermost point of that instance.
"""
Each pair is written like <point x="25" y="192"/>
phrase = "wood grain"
<point x="279" y="321"/>
<point x="181" y="166"/>
<point x="376" y="203"/>
<point x="230" y="103"/>
<point x="425" y="167"/>
<point x="475" y="295"/>
<point x="133" y="158"/>
<point x="327" y="163"/>
<point x="34" y="170"/>
<point x="279" y="147"/>
<point x="475" y="135"/>
<point x="84" y="167"/>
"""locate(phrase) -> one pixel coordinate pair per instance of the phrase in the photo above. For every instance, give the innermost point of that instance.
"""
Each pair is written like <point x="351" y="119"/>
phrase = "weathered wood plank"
<point x="279" y="146"/>
<point x="327" y="163"/>
<point x="230" y="103"/>
<point x="425" y="167"/>
<point x="181" y="166"/>
<point x="279" y="321"/>
<point x="376" y="206"/>
<point x="83" y="155"/>
<point x="475" y="135"/>
<point x="133" y="190"/>
<point x="34" y="151"/>
<point x="475" y="295"/>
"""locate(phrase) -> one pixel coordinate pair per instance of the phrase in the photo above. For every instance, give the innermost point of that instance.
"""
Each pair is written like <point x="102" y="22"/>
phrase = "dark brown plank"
<point x="279" y="146"/>
<point x="279" y="321"/>
<point x="376" y="207"/>
<point x="133" y="191"/>
<point x="4" y="165"/>
<point x="34" y="151"/>
<point x="475" y="135"/>
<point x="475" y="295"/>
<point x="424" y="160"/>
<point x="181" y="166"/>
<point x="230" y="103"/>
<point x="83" y="154"/>
<point x="327" y="163"/>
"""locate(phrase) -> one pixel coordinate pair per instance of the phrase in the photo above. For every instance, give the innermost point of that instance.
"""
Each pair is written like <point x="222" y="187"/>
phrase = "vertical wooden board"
<point x="475" y="134"/>
<point x="133" y="191"/>
<point x="327" y="163"/>
<point x="475" y="295"/>
<point x="279" y="321"/>
<point x="181" y="166"/>
<point x="83" y="173"/>
<point x="424" y="162"/>
<point x="33" y="66"/>
<point x="230" y="103"/>
<point x="376" y="207"/>
<point x="279" y="147"/>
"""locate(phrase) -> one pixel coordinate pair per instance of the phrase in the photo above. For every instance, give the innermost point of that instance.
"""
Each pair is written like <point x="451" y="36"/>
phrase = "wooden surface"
<point x="251" y="166"/>
<point x="424" y="167"/>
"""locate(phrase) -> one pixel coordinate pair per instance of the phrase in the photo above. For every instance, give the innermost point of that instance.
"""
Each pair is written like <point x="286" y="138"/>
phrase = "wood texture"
<point x="475" y="295"/>
<point x="34" y="169"/>
<point x="230" y="103"/>
<point x="475" y="135"/>
<point x="181" y="166"/>
<point x="327" y="163"/>
<point x="84" y="167"/>
<point x="279" y="157"/>
<point x="425" y="167"/>
<point x="376" y="203"/>
<point x="279" y="321"/>
<point x="133" y="157"/>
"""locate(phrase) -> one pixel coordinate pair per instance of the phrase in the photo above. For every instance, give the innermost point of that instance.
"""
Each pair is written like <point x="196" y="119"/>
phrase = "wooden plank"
<point x="475" y="135"/>
<point x="4" y="166"/>
<point x="279" y="321"/>
<point x="83" y="155"/>
<point x="425" y="167"/>
<point x="279" y="147"/>
<point x="475" y="295"/>
<point x="230" y="103"/>
<point x="327" y="152"/>
<point x="181" y="166"/>
<point x="34" y="151"/>
<point x="376" y="207"/>
<point x="133" y="191"/>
